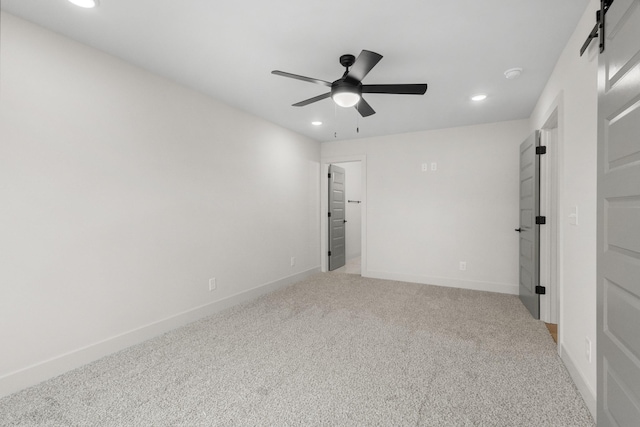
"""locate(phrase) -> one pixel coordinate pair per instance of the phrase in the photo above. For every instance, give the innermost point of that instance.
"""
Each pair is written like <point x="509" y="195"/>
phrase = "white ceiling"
<point x="227" y="49"/>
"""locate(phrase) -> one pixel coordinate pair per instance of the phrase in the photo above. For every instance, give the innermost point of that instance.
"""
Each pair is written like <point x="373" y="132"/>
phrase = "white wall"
<point x="572" y="91"/>
<point x="122" y="193"/>
<point x="420" y="225"/>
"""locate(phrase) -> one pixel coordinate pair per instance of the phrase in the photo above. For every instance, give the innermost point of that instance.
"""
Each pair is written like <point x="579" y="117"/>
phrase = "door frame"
<point x="550" y="253"/>
<point x="551" y="306"/>
<point x="324" y="206"/>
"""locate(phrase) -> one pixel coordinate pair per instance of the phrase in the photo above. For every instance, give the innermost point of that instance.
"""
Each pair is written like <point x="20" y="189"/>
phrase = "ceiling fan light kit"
<point x="345" y="94"/>
<point x="346" y="99"/>
<point x="347" y="91"/>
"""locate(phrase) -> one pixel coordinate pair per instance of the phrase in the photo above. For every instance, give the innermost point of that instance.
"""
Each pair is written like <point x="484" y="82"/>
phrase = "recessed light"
<point x="87" y="4"/>
<point x="479" y="97"/>
<point x="316" y="123"/>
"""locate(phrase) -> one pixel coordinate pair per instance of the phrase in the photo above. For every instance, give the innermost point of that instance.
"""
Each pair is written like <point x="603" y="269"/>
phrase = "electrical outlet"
<point x="293" y="261"/>
<point x="434" y="167"/>
<point x="212" y="284"/>
<point x="425" y="167"/>
<point x="587" y="348"/>
<point x="463" y="265"/>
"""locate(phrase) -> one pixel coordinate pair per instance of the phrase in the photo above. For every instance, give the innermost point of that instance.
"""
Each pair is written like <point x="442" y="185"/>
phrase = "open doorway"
<point x="354" y="214"/>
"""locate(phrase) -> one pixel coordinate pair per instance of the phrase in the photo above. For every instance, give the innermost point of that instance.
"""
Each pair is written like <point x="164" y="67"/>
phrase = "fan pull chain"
<point x="335" y="120"/>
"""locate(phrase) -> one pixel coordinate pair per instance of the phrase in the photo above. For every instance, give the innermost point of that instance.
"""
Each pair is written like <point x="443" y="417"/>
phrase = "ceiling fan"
<point x="347" y="90"/>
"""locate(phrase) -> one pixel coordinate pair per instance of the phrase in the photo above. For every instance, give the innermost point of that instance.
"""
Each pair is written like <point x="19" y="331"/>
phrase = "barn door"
<point x="618" y="277"/>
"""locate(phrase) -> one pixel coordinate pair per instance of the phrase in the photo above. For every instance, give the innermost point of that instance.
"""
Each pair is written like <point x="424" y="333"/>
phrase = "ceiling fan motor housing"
<point x="347" y="60"/>
<point x="346" y="85"/>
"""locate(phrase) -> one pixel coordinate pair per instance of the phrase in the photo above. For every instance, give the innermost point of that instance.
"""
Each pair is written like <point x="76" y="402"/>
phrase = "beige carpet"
<point x="335" y="349"/>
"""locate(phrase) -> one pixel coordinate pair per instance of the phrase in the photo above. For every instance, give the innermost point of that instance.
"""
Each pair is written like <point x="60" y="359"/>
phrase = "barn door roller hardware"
<point x="599" y="27"/>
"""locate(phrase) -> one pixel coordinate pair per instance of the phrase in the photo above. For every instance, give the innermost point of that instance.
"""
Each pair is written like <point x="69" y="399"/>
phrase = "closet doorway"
<point x="353" y="243"/>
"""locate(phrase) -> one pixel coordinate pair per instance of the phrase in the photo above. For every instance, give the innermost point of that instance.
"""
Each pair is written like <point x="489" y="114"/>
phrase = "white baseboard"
<point x="503" y="288"/>
<point x="587" y="393"/>
<point x="34" y="374"/>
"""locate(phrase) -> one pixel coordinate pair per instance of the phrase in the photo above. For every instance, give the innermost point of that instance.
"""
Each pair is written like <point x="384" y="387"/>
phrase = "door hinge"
<point x="329" y="176"/>
<point x="329" y="253"/>
<point x="541" y="149"/>
<point x="329" y="214"/>
<point x="541" y="220"/>
<point x="541" y="290"/>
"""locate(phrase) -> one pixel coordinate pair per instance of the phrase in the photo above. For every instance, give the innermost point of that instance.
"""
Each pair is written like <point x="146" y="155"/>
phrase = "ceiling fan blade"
<point x="401" y="89"/>
<point x="303" y="78"/>
<point x="364" y="108"/>
<point x="364" y="63"/>
<point x="312" y="100"/>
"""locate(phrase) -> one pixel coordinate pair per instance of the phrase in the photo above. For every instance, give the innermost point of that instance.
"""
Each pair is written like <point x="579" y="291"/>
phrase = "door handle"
<point x="344" y="220"/>
<point x="519" y="230"/>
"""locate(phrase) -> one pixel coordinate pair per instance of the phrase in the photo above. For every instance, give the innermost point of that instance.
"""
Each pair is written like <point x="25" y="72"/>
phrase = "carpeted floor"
<point x="336" y="349"/>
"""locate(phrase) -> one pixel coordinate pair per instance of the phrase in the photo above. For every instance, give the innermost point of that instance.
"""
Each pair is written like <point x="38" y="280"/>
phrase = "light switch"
<point x="434" y="167"/>
<point x="573" y="216"/>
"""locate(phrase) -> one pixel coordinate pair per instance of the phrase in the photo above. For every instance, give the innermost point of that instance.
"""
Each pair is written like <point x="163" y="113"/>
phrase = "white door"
<point x="529" y="229"/>
<point x="337" y="220"/>
<point x="619" y="217"/>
